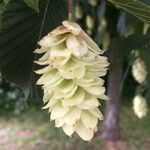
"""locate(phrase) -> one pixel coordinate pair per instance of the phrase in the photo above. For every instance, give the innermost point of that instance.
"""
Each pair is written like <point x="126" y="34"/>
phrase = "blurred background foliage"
<point x="24" y="22"/>
<point x="101" y="20"/>
<point x="11" y="97"/>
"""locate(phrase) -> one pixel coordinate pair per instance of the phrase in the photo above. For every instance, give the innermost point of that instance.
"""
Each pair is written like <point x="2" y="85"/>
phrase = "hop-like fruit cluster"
<point x="70" y="79"/>
<point x="93" y="2"/>
<point x="79" y="11"/>
<point x="140" y="106"/>
<point x="90" y="22"/>
<point x="139" y="70"/>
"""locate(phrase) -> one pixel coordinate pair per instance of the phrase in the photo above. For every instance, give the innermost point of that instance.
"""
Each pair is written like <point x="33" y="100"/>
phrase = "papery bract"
<point x="71" y="67"/>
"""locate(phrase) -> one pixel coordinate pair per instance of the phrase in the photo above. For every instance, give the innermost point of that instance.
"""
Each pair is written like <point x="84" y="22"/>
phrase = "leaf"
<point x="135" y="41"/>
<point x="146" y="2"/>
<point x="34" y="4"/>
<point x="135" y="7"/>
<point x="144" y="54"/>
<point x="6" y="1"/>
<point x="21" y="28"/>
<point x="1" y="10"/>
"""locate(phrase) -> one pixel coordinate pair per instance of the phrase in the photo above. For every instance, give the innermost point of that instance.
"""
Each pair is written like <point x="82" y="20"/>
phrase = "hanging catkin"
<point x="140" y="106"/>
<point x="139" y="70"/>
<point x="70" y="78"/>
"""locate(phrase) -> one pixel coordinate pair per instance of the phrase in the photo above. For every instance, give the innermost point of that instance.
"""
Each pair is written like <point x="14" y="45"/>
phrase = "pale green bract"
<point x="139" y="70"/>
<point x="70" y="79"/>
<point x="140" y="106"/>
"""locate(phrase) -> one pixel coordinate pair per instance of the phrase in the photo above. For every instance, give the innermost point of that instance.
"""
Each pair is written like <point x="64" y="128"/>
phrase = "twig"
<point x="70" y="10"/>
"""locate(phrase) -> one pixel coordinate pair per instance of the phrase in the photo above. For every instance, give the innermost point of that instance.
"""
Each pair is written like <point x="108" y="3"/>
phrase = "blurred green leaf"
<point x="1" y="10"/>
<point x="21" y="29"/>
<point x="34" y="4"/>
<point x="146" y="1"/>
<point x="135" y="7"/>
<point x="135" y="41"/>
<point x="144" y="54"/>
<point x="6" y="1"/>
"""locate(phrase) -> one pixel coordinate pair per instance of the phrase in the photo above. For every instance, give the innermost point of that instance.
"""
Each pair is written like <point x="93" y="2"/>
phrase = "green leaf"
<point x="21" y="29"/>
<point x="135" y="41"/>
<point x="34" y="4"/>
<point x="146" y="2"/>
<point x="6" y="1"/>
<point x="135" y="7"/>
<point x="144" y="54"/>
<point x="1" y="10"/>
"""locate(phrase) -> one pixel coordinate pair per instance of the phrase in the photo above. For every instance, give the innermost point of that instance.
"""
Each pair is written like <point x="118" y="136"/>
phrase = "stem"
<point x="70" y="10"/>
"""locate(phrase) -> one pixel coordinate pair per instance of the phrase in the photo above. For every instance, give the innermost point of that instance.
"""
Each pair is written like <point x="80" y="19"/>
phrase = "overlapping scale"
<point x="70" y="79"/>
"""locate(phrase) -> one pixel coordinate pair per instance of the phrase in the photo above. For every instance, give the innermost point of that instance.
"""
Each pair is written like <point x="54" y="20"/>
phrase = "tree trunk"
<point x="111" y="130"/>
